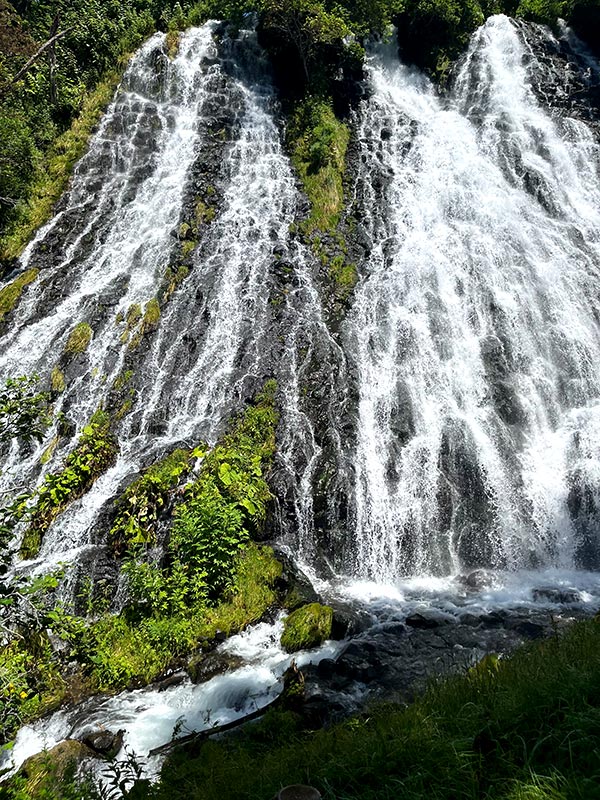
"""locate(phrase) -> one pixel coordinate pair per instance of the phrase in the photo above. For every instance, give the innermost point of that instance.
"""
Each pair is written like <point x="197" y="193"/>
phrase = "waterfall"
<point x="475" y="331"/>
<point x="174" y="128"/>
<point x="451" y="421"/>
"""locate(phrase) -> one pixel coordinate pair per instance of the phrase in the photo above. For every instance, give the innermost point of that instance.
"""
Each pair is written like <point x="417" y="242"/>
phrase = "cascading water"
<point x="452" y="422"/>
<point x="475" y="330"/>
<point x="210" y="110"/>
<point x="106" y="253"/>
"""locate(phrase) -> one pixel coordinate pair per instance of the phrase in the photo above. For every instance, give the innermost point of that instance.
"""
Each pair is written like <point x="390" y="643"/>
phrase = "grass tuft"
<point x="11" y="293"/>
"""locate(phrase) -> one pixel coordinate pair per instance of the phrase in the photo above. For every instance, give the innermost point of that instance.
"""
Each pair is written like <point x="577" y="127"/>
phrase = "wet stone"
<point x="202" y="668"/>
<point x="551" y="594"/>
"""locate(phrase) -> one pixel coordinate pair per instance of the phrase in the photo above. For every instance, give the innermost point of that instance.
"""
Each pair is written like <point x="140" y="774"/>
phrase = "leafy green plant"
<point x="23" y="410"/>
<point x="95" y="452"/>
<point x="140" y="507"/>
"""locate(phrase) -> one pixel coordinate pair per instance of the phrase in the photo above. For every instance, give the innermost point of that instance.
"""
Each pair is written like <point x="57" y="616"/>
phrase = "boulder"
<point x="104" y="742"/>
<point x="307" y="627"/>
<point x="552" y="594"/>
<point x="202" y="668"/>
<point x="45" y="772"/>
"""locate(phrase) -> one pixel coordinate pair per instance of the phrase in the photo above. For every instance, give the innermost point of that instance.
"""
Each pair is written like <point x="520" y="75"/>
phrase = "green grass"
<point x="11" y="293"/>
<point x="525" y="728"/>
<point x="319" y="142"/>
<point x="54" y="172"/>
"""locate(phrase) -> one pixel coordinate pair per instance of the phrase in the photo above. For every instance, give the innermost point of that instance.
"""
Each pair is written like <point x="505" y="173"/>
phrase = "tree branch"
<point x="26" y="67"/>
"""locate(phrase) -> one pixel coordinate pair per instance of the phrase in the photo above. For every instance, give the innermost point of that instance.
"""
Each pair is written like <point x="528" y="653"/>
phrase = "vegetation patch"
<point x="94" y="454"/>
<point x="11" y="294"/>
<point x="79" y="339"/>
<point x="319" y="142"/>
<point x="52" y="177"/>
<point x="307" y="627"/>
<point x="146" y="322"/>
<point x="135" y="649"/>
<point x="57" y="380"/>
<point x="146" y="499"/>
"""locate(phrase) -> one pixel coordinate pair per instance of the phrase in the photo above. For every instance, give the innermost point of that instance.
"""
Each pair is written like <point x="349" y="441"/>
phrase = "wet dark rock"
<point x="493" y="620"/>
<point x="476" y="580"/>
<point x="171" y="680"/>
<point x="348" y="621"/>
<point x="427" y="619"/>
<point x="530" y="630"/>
<point x="326" y="668"/>
<point x="202" y="668"/>
<point x="551" y="594"/>
<point x="470" y="619"/>
<point x="294" y="585"/>
<point x="220" y="637"/>
<point x="104" y="742"/>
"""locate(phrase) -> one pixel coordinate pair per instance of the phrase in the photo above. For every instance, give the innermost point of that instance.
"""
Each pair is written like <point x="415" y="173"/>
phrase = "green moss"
<point x="151" y="315"/>
<point x="95" y="452"/>
<point x="203" y="214"/>
<point x="122" y="380"/>
<point x="11" y="294"/>
<point x="55" y="170"/>
<point x="172" y="43"/>
<point x="79" y="339"/>
<point x="319" y="142"/>
<point x="134" y="315"/>
<point x="188" y="246"/>
<point x="149" y="323"/>
<point x="57" y="380"/>
<point x="307" y="627"/>
<point x="344" y="274"/>
<point x="48" y="774"/>
<point x="173" y="279"/>
<point x="49" y="451"/>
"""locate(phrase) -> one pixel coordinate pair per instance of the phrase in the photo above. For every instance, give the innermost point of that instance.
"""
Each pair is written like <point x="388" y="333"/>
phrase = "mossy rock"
<point x="307" y="627"/>
<point x="57" y="380"/>
<point x="46" y="772"/>
<point x="79" y="339"/>
<point x="11" y="293"/>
